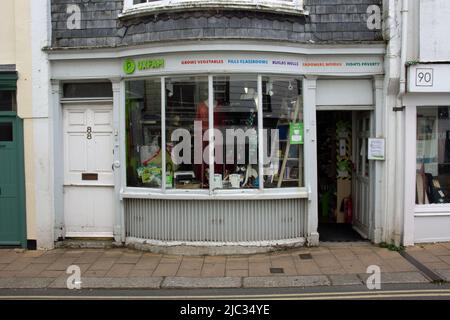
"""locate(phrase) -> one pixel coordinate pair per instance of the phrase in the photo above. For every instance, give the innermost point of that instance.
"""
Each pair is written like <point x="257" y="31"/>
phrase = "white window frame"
<point x="281" y="6"/>
<point x="211" y="194"/>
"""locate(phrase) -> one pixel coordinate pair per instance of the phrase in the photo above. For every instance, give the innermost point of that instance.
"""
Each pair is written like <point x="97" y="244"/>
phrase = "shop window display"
<point x="143" y="125"/>
<point x="282" y="113"/>
<point x="187" y="121"/>
<point x="243" y="148"/>
<point x="236" y="135"/>
<point x="433" y="155"/>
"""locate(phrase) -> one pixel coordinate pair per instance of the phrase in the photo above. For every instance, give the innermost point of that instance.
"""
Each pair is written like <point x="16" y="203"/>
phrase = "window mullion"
<point x="260" y="135"/>
<point x="211" y="131"/>
<point x="163" y="134"/>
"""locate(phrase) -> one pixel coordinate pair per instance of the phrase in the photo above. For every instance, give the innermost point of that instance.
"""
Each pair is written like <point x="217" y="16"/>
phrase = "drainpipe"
<point x="400" y="160"/>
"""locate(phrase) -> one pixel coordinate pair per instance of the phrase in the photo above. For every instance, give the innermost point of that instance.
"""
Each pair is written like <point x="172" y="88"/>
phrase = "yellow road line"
<point x="300" y="296"/>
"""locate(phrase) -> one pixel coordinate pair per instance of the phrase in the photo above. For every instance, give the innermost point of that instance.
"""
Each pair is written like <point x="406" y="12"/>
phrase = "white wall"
<point x="434" y="30"/>
<point x="41" y="146"/>
<point x="345" y="92"/>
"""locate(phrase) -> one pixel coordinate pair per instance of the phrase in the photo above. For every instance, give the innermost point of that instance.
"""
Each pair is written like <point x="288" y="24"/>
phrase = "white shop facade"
<point x="427" y="137"/>
<point x="216" y="146"/>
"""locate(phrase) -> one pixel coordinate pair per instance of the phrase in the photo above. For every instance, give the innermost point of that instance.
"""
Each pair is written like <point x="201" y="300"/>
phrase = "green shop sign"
<point x="296" y="133"/>
<point x="130" y="65"/>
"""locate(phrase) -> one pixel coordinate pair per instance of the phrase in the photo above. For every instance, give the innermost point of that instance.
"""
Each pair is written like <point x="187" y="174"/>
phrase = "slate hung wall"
<point x="329" y="21"/>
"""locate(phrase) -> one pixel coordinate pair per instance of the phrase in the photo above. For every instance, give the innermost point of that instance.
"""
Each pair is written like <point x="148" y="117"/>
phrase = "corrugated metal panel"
<point x="215" y="220"/>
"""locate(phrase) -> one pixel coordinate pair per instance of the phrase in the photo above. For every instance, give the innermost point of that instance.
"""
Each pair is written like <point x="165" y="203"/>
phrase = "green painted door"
<point x="12" y="198"/>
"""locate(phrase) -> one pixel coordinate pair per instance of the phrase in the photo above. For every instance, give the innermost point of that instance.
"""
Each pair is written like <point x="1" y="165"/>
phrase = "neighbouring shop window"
<point x="433" y="155"/>
<point x="187" y="121"/>
<point x="8" y="100"/>
<point x="283" y="132"/>
<point x="143" y="133"/>
<point x="87" y="90"/>
<point x="236" y="132"/>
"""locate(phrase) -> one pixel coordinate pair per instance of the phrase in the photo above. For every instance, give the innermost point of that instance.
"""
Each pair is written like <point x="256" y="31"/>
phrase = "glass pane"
<point x="8" y="100"/>
<point x="6" y="131"/>
<point x="433" y="155"/>
<point x="143" y="129"/>
<point x="186" y="126"/>
<point x="283" y="132"/>
<point x="88" y="90"/>
<point x="236" y="136"/>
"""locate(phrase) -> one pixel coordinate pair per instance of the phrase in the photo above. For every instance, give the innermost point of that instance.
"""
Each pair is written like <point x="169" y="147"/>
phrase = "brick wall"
<point x="329" y="21"/>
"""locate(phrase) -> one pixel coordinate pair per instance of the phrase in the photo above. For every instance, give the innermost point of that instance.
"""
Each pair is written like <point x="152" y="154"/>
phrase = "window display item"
<point x="150" y="175"/>
<point x="296" y="132"/>
<point x="150" y="152"/>
<point x="217" y="182"/>
<point x="250" y="174"/>
<point x="184" y="176"/>
<point x="169" y="180"/>
<point x="235" y="180"/>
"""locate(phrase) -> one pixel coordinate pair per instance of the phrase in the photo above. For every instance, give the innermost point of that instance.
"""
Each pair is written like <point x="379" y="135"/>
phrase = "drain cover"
<point x="305" y="256"/>
<point x="276" y="270"/>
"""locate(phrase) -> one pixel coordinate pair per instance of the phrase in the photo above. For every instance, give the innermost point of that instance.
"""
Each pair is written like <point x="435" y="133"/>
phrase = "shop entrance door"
<point x="12" y="193"/>
<point x="343" y="175"/>
<point x="88" y="170"/>
<point x="361" y="185"/>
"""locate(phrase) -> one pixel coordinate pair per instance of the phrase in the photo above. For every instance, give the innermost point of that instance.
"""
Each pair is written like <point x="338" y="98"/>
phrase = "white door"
<point x="88" y="172"/>
<point x="362" y="208"/>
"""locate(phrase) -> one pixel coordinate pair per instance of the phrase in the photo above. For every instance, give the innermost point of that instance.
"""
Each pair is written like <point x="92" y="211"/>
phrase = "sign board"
<point x="429" y="78"/>
<point x="242" y="62"/>
<point x="376" y="149"/>
<point x="296" y="133"/>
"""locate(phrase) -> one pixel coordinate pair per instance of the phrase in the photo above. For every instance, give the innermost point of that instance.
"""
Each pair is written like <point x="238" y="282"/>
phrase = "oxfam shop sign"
<point x="130" y="66"/>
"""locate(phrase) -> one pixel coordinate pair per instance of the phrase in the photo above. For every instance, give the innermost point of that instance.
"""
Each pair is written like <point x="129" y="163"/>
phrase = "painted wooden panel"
<point x="89" y="211"/>
<point x="215" y="220"/>
<point x="88" y="174"/>
<point x="12" y="213"/>
<point x="88" y="144"/>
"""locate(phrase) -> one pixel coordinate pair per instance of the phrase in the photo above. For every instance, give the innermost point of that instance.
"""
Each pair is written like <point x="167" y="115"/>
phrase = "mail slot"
<point x="89" y="176"/>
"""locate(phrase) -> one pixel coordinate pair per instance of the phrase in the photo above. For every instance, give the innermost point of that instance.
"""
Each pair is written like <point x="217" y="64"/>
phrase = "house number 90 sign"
<point x="424" y="77"/>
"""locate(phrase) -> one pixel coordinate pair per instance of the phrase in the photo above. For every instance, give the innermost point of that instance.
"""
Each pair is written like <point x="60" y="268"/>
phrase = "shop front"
<point x="211" y="149"/>
<point x="427" y="154"/>
<point x="12" y="182"/>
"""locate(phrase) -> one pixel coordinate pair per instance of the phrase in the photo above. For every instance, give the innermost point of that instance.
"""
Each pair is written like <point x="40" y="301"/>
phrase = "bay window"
<point x="152" y="6"/>
<point x="214" y="133"/>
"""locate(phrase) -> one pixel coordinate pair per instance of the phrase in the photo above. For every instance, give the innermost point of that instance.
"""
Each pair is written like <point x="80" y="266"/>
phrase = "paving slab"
<point x="345" y="279"/>
<point x="25" y="283"/>
<point x="112" y="283"/>
<point x="204" y="283"/>
<point x="445" y="274"/>
<point x="285" y="282"/>
<point x="398" y="277"/>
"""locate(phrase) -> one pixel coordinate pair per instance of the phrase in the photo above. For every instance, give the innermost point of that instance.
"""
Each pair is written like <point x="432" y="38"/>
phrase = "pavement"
<point x="330" y="265"/>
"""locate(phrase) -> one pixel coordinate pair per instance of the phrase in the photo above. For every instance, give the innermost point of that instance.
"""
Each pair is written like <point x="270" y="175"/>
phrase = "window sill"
<point x="429" y="210"/>
<point x="286" y="193"/>
<point x="174" y="6"/>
